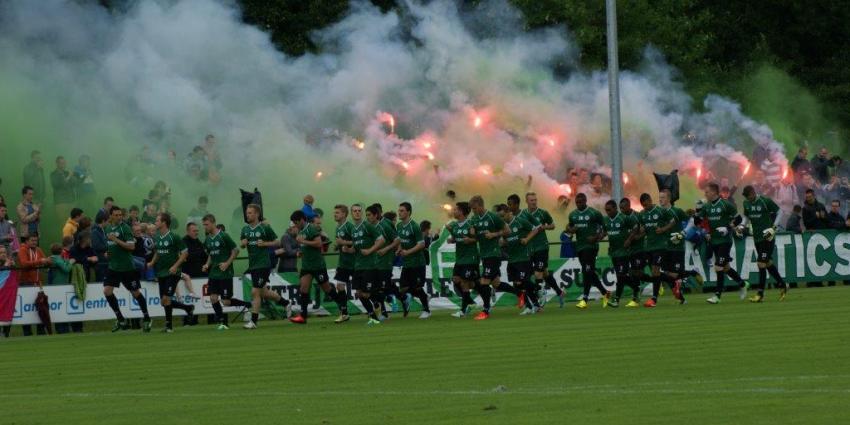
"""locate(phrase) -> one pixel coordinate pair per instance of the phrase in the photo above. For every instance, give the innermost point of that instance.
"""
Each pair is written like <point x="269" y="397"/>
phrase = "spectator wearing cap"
<point x="814" y="213"/>
<point x="73" y="223"/>
<point x="820" y="166"/>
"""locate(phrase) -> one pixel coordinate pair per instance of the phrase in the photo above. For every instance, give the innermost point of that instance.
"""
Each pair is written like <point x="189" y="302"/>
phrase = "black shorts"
<point x="343" y="275"/>
<point x="221" y="287"/>
<point x="467" y="272"/>
<point x="674" y="262"/>
<point x="721" y="252"/>
<point x="587" y="259"/>
<point x="364" y="280"/>
<point x="320" y="276"/>
<point x="412" y="277"/>
<point x="637" y="261"/>
<point x="168" y="285"/>
<point x="540" y="261"/>
<point x="656" y="258"/>
<point x="129" y="279"/>
<point x="764" y="250"/>
<point x="259" y="277"/>
<point x="492" y="267"/>
<point x="622" y="265"/>
<point x="384" y="278"/>
<point x="519" y="272"/>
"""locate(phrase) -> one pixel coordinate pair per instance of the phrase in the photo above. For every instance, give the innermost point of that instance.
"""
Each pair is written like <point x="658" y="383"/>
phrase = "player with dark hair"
<point x="386" y="260"/>
<point x="169" y="255"/>
<point x="411" y="248"/>
<point x="489" y="229"/>
<point x="313" y="267"/>
<point x="657" y="224"/>
<point x="720" y="213"/>
<point x="520" y="235"/>
<point x="762" y="214"/>
<point x="221" y="252"/>
<point x="258" y="238"/>
<point x="465" y="273"/>
<point x="122" y="272"/>
<point x="586" y="223"/>
<point x="621" y="230"/>
<point x="345" y="246"/>
<point x="513" y="204"/>
<point x="637" y="256"/>
<point x="368" y="239"/>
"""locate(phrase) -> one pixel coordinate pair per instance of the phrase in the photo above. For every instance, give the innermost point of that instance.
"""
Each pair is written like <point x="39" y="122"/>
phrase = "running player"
<point x="622" y="230"/>
<point x="465" y="273"/>
<point x="345" y="267"/>
<point x="169" y="254"/>
<point x="119" y="248"/>
<point x="586" y="224"/>
<point x="762" y="214"/>
<point x="513" y="204"/>
<point x="411" y="248"/>
<point x="720" y="213"/>
<point x="313" y="267"/>
<point x="540" y="247"/>
<point x="386" y="260"/>
<point x="637" y="256"/>
<point x="657" y="223"/>
<point x="674" y="257"/>
<point x="489" y="229"/>
<point x="520" y="235"/>
<point x="368" y="239"/>
<point x="258" y="238"/>
<point x="221" y="252"/>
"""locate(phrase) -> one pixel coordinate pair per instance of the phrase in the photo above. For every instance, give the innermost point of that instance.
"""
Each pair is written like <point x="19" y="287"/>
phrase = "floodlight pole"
<point x="614" y="100"/>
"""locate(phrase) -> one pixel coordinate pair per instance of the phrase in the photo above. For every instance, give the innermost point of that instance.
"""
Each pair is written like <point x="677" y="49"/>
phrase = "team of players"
<point x="368" y="247"/>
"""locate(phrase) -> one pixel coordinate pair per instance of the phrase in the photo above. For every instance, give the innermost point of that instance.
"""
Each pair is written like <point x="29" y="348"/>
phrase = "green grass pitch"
<point x="734" y="363"/>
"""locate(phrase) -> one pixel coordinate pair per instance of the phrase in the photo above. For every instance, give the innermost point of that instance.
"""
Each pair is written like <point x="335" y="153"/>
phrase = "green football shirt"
<point x="219" y="246"/>
<point x="168" y="249"/>
<point x="762" y="213"/>
<point x="465" y="254"/>
<point x="588" y="223"/>
<point x="258" y="257"/>
<point x="410" y="235"/>
<point x="346" y="259"/>
<point x="386" y="261"/>
<point x="681" y="218"/>
<point x="519" y="228"/>
<point x="364" y="236"/>
<point x="651" y="220"/>
<point x="540" y="242"/>
<point x="719" y="213"/>
<point x="488" y="222"/>
<point x="120" y="260"/>
<point x="311" y="257"/>
<point x="618" y="228"/>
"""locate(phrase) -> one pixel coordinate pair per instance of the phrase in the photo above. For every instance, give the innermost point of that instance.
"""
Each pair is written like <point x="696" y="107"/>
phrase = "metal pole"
<point x="614" y="100"/>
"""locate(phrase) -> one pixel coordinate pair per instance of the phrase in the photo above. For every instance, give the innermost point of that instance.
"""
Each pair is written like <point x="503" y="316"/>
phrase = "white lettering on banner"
<point x="817" y="269"/>
<point x="842" y="251"/>
<point x="65" y="306"/>
<point x="748" y="263"/>
<point x="781" y="241"/>
<point x="801" y="260"/>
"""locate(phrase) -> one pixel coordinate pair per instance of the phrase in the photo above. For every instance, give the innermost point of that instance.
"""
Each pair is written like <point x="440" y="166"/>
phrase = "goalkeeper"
<point x="762" y="214"/>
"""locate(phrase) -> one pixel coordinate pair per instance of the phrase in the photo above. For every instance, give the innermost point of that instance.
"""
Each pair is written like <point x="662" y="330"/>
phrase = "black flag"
<point x="254" y="197"/>
<point x="669" y="182"/>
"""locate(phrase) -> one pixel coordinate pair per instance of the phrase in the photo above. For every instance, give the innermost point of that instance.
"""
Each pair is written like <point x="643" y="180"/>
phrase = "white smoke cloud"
<point x="476" y="104"/>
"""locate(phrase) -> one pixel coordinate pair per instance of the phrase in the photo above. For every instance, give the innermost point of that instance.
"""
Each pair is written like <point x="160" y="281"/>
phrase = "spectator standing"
<point x="149" y="214"/>
<point x="86" y="194"/>
<point x="30" y="259"/>
<point x="34" y="176"/>
<point x="842" y="168"/>
<point x="132" y="215"/>
<point x="820" y="166"/>
<point x="73" y="223"/>
<point x="63" y="184"/>
<point x="103" y="212"/>
<point x="7" y="231"/>
<point x="814" y="213"/>
<point x="801" y="165"/>
<point x="197" y="255"/>
<point x="197" y="214"/>
<point x="786" y="197"/>
<point x="83" y="253"/>
<point x="288" y="251"/>
<point x="29" y="214"/>
<point x="99" y="245"/>
<point x="427" y="237"/>
<point x="834" y="219"/>
<point x="795" y="221"/>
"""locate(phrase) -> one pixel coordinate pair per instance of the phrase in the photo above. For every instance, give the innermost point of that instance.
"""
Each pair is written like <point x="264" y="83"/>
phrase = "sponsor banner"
<point x="65" y="306"/>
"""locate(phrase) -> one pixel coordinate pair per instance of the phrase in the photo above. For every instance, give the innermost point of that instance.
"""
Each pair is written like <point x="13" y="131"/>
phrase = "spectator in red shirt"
<point x="30" y="258"/>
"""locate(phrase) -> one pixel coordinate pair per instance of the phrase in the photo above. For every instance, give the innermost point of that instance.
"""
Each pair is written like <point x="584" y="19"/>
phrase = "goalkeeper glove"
<point x="723" y="231"/>
<point x="677" y="237"/>
<point x="769" y="233"/>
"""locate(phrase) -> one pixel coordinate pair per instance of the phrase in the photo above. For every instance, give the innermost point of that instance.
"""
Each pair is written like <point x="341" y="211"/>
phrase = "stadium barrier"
<point x="808" y="257"/>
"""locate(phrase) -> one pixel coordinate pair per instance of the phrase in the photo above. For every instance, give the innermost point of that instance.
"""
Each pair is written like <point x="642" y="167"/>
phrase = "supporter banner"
<point x="65" y="306"/>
